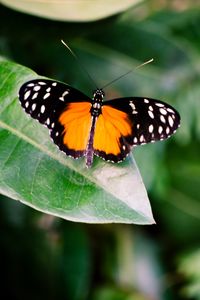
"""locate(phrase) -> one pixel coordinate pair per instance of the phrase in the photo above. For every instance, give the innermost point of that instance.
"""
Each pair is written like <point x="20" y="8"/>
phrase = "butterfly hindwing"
<point x="59" y="107"/>
<point x="134" y="121"/>
<point x="111" y="127"/>
<point x="71" y="133"/>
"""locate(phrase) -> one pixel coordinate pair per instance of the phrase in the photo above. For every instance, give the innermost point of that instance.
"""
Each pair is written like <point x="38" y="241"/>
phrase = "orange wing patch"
<point x="111" y="125"/>
<point x="76" y="120"/>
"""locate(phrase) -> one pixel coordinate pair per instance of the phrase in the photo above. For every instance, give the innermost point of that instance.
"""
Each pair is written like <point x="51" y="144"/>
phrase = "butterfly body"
<point x="97" y="102"/>
<point x="81" y="126"/>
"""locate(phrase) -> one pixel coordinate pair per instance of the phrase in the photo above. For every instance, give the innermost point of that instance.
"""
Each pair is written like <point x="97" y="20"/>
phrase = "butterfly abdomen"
<point x="90" y="148"/>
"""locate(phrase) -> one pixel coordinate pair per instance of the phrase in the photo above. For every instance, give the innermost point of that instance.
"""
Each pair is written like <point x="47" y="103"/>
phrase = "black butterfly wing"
<point x="146" y="120"/>
<point x="45" y="100"/>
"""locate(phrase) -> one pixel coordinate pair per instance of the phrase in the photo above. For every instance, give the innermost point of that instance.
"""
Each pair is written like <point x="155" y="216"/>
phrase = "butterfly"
<point x="83" y="126"/>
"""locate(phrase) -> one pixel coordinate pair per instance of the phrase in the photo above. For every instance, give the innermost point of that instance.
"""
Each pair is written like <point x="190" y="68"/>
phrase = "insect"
<point x="83" y="126"/>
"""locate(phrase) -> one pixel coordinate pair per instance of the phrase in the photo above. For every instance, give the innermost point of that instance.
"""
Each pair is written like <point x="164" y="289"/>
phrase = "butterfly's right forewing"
<point x="48" y="101"/>
<point x="45" y="100"/>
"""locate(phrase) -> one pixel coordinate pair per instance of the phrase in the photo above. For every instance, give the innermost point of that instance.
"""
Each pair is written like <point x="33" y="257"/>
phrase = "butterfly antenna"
<point x="143" y="64"/>
<point x="81" y="65"/>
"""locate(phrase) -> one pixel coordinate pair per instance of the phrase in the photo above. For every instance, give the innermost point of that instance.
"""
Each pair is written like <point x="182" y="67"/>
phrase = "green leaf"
<point x="35" y="172"/>
<point x="79" y="10"/>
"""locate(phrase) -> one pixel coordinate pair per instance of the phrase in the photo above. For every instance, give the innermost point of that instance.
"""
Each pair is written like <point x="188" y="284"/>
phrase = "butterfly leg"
<point x="90" y="149"/>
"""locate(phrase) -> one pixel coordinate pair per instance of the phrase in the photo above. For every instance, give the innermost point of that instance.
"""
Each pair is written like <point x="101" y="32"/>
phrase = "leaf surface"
<point x="68" y="10"/>
<point x="35" y="172"/>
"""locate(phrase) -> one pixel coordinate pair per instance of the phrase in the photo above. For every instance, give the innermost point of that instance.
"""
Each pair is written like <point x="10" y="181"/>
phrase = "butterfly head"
<point x="98" y="95"/>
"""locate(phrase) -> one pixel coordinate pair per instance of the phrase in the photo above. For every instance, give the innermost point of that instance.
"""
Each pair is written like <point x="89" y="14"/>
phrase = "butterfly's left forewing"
<point x="134" y="121"/>
<point x="60" y="107"/>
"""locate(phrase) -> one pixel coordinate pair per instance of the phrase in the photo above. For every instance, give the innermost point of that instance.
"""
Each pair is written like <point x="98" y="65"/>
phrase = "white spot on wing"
<point x="46" y="95"/>
<point x="27" y="94"/>
<point x="170" y="110"/>
<point x="146" y="100"/>
<point x="142" y="138"/>
<point x="27" y="104"/>
<point x="42" y="83"/>
<point x="35" y="95"/>
<point x="65" y="93"/>
<point x="171" y="121"/>
<point x="33" y="106"/>
<point x="160" y="129"/>
<point x="30" y="84"/>
<point x="48" y="121"/>
<point x="151" y="115"/>
<point x="132" y="105"/>
<point x="159" y="104"/>
<point x="151" y="128"/>
<point x="162" y="119"/>
<point x="167" y="130"/>
<point x="36" y="88"/>
<point x="48" y="89"/>
<point x="135" y="139"/>
<point x="42" y="109"/>
<point x="54" y="83"/>
<point x="163" y="111"/>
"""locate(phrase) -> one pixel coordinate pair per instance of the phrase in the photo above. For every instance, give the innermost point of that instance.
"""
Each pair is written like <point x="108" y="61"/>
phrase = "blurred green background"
<point x="44" y="257"/>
